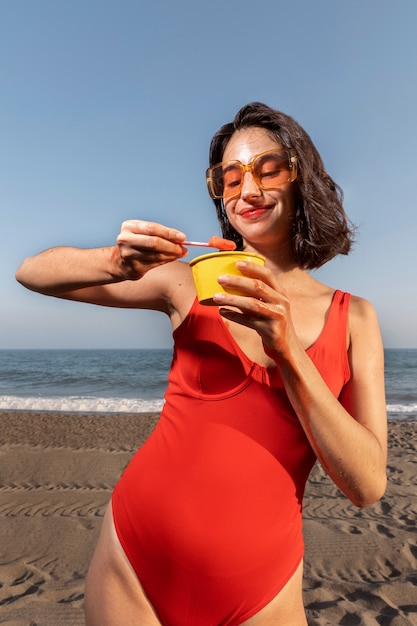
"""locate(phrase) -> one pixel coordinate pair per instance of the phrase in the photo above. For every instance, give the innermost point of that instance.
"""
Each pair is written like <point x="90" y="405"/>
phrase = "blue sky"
<point x="96" y="94"/>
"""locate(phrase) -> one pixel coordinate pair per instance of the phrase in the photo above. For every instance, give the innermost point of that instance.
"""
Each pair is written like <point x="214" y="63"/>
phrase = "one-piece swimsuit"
<point x="209" y="510"/>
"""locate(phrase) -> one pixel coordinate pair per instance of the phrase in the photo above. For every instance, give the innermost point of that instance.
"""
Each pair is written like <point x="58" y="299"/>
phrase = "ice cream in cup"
<point x="208" y="267"/>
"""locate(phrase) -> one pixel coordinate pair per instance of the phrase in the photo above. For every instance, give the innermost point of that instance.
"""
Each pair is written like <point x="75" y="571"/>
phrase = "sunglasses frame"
<point x="292" y="162"/>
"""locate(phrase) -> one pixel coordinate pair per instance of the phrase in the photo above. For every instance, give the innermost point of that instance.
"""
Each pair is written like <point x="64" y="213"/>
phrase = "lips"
<point x="253" y="212"/>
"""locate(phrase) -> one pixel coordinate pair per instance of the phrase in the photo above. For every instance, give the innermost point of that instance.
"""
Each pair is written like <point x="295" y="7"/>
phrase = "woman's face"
<point x="262" y="216"/>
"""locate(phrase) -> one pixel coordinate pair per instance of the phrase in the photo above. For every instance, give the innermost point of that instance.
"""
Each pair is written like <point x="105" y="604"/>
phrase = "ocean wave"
<point x="79" y="404"/>
<point x="402" y="408"/>
<point x="88" y="404"/>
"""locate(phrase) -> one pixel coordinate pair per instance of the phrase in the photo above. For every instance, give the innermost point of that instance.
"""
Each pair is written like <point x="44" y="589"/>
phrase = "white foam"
<point x="80" y="404"/>
<point x="402" y="408"/>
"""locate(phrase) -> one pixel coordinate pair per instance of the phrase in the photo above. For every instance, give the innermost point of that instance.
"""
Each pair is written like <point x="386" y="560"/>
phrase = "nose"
<point x="250" y="187"/>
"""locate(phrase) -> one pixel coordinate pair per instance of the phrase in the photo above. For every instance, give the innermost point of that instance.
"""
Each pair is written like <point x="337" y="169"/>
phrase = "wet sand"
<point x="57" y="472"/>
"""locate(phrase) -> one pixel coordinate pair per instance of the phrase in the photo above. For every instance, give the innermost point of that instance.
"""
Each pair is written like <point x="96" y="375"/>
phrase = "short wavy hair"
<point x="321" y="228"/>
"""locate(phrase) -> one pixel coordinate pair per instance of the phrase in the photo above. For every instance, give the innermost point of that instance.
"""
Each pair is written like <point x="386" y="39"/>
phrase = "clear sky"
<point x="107" y="108"/>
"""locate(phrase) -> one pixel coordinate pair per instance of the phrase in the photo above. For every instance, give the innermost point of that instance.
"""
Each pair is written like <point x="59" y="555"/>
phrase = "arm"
<point x="347" y="434"/>
<point x="108" y="275"/>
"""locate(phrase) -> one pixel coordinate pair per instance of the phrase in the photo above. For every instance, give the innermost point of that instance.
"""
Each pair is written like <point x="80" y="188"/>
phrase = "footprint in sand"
<point x="383" y="530"/>
<point x="18" y="581"/>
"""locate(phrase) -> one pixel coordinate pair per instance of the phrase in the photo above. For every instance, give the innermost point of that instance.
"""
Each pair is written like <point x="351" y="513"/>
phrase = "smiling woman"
<point x="281" y="373"/>
<point x="320" y="226"/>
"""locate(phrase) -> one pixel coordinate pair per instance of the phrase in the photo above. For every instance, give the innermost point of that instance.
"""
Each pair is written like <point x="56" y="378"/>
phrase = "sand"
<point x="57" y="472"/>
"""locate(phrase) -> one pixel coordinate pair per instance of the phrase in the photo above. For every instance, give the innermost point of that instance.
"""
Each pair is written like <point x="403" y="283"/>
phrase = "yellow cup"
<point x="208" y="267"/>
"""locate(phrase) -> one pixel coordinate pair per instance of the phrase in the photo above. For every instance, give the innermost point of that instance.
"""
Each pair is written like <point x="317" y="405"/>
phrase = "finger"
<point x="153" y="229"/>
<point x="239" y="318"/>
<point x="255" y="270"/>
<point x="253" y="307"/>
<point x="131" y="243"/>
<point x="253" y="287"/>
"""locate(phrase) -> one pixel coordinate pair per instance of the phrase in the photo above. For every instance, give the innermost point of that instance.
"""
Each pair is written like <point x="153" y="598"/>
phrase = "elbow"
<point x="25" y="277"/>
<point x="20" y="275"/>
<point x="365" y="497"/>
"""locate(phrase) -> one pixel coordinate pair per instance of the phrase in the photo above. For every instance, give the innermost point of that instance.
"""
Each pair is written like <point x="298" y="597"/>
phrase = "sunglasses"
<point x="269" y="170"/>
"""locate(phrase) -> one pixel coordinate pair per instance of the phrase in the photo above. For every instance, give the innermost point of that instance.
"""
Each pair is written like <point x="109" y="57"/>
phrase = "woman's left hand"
<point x="264" y="307"/>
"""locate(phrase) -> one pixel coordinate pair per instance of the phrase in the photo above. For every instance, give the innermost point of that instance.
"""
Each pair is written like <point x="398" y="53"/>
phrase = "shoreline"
<point x="57" y="472"/>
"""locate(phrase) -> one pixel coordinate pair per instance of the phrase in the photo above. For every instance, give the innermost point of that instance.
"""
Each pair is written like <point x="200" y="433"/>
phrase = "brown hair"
<point x="321" y="229"/>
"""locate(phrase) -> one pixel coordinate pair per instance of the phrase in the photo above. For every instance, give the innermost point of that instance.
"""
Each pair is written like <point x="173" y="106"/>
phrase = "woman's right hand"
<point x="143" y="245"/>
<point x="70" y="272"/>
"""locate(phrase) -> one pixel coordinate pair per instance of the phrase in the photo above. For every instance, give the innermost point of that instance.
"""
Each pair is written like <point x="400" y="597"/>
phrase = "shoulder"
<point x="178" y="288"/>
<point x="167" y="276"/>
<point x="364" y="331"/>
<point x="176" y="275"/>
<point x="361" y="312"/>
<point x="172" y="269"/>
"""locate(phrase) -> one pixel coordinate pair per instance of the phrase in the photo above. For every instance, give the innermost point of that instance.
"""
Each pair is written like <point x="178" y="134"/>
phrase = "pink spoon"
<point x="214" y="242"/>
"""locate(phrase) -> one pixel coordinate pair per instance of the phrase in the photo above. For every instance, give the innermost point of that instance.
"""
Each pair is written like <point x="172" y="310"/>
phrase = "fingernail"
<point x="222" y="278"/>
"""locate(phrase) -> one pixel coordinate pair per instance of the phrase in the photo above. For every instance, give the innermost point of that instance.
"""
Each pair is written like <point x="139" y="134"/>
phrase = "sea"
<point x="134" y="381"/>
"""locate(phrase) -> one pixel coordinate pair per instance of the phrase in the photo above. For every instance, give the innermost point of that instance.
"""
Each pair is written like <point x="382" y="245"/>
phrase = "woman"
<point x="204" y="527"/>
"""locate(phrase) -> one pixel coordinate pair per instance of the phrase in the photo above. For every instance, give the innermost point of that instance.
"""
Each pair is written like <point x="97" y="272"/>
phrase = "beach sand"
<point x="57" y="472"/>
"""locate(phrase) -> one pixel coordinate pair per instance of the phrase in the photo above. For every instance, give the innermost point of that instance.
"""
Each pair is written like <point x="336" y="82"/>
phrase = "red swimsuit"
<point x="209" y="509"/>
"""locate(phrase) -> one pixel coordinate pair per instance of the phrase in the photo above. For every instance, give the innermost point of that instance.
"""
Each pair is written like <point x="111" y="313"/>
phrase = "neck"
<point x="279" y="256"/>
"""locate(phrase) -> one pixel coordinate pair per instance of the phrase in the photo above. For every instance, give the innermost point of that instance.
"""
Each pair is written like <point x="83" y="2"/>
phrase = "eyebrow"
<point x="230" y="165"/>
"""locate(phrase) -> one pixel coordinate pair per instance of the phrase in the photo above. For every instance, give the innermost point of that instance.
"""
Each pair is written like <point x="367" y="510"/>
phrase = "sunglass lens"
<point x="272" y="169"/>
